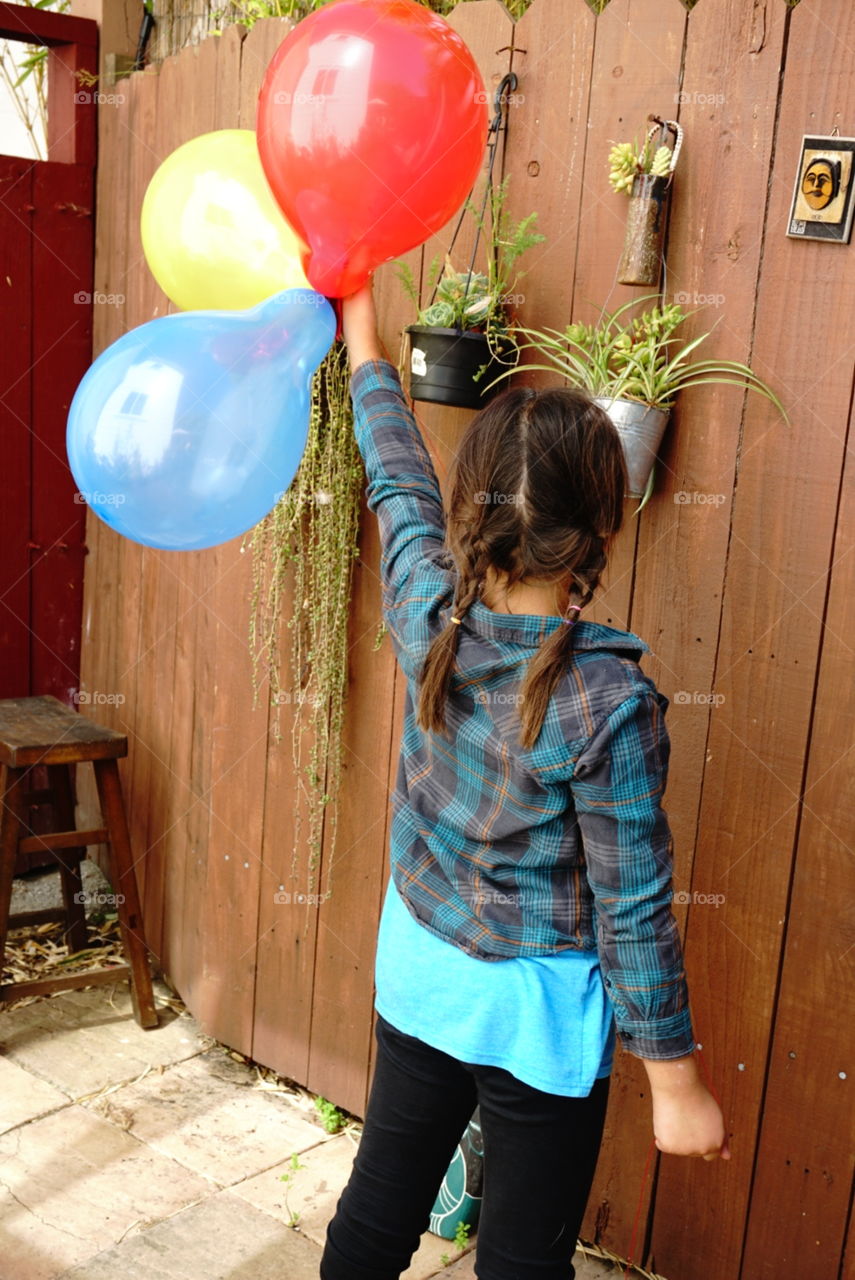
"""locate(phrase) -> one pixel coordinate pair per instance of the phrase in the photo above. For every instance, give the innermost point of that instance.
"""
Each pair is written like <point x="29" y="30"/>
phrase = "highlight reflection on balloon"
<point x="187" y="430"/>
<point x="212" y="233"/>
<point x="372" y="122"/>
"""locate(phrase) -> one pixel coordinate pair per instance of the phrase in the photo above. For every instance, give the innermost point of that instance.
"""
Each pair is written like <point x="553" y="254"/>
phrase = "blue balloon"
<point x="188" y="430"/>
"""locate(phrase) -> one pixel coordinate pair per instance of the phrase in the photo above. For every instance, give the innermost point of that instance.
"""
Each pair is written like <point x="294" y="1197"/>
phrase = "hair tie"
<point x="577" y="608"/>
<point x="457" y="620"/>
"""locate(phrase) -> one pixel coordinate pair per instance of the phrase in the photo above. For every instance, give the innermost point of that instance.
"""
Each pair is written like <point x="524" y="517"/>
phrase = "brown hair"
<point x="536" y="492"/>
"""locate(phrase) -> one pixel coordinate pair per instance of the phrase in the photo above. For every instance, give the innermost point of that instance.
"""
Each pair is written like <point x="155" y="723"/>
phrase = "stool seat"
<point x="44" y="731"/>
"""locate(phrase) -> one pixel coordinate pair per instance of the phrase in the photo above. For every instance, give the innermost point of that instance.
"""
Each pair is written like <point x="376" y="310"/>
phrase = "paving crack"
<point x="53" y="1226"/>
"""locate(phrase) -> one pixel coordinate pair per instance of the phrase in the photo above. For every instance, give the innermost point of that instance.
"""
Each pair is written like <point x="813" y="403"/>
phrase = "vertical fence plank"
<point x="804" y="1165"/>
<point x="236" y="875"/>
<point x="138" y="670"/>
<point x="545" y="154"/>
<point x="103" y="607"/>
<point x="286" y="938"/>
<point x="164" y="639"/>
<point x="730" y="83"/>
<point x="636" y="71"/>
<point x="192" y="718"/>
<point x="157" y="642"/>
<point x="543" y="160"/>
<point x="150" y="749"/>
<point x="780" y="548"/>
<point x="134" y="103"/>
<point x="347" y="922"/>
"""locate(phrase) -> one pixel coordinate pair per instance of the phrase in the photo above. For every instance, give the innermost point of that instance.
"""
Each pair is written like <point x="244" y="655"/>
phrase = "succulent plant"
<point x="626" y="161"/>
<point x="463" y="301"/>
<point x="640" y="358"/>
<point x="473" y="299"/>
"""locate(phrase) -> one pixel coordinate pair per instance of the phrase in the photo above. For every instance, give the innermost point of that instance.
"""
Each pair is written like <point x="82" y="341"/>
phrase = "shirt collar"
<point x="530" y="629"/>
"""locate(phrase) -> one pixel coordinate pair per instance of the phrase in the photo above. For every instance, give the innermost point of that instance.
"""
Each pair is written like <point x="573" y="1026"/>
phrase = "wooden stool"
<point x="45" y="731"/>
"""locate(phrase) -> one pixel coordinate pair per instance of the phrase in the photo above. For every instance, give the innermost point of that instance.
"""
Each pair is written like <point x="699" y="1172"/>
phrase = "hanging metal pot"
<point x="641" y="261"/>
<point x="641" y="429"/>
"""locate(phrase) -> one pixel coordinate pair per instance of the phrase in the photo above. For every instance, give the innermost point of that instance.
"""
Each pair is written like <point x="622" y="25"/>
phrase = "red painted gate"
<point x="46" y="276"/>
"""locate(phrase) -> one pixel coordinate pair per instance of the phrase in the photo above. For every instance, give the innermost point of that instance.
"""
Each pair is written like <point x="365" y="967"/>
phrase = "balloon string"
<point x="335" y="303"/>
<point x="629" y="1256"/>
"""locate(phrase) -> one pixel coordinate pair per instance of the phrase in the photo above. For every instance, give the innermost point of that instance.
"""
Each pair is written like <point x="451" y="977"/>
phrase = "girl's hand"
<point x="359" y="327"/>
<point x="688" y="1122"/>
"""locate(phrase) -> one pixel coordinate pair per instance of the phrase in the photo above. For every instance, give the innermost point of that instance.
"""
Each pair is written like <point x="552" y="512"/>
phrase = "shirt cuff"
<point x="660" y="1039"/>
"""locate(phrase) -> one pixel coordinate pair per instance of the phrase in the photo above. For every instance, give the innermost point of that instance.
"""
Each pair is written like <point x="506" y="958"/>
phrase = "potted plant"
<point x="645" y="174"/>
<point x="635" y="368"/>
<point x="464" y="337"/>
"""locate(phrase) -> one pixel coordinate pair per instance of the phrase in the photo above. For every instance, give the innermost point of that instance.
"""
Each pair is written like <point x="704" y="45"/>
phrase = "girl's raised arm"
<point x="403" y="490"/>
<point x="359" y="327"/>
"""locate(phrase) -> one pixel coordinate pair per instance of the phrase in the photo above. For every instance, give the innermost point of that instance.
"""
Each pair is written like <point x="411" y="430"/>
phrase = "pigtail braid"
<point x="549" y="664"/>
<point x="440" y="660"/>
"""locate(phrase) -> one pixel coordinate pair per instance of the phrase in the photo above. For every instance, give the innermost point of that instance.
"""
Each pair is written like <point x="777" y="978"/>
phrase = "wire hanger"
<point x="500" y="102"/>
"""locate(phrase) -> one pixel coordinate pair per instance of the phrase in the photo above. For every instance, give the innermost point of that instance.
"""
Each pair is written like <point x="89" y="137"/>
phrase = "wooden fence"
<point x="738" y="574"/>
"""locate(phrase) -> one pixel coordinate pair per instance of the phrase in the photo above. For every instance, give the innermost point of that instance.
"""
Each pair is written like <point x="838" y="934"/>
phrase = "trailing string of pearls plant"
<point x="304" y="551"/>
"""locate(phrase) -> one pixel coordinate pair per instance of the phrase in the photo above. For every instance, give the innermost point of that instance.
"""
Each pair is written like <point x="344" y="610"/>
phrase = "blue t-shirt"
<point x="545" y="1019"/>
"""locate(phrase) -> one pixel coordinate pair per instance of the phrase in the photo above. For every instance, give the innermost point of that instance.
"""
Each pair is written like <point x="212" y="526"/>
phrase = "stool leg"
<point x="11" y="823"/>
<point x="130" y="916"/>
<point x="76" y="933"/>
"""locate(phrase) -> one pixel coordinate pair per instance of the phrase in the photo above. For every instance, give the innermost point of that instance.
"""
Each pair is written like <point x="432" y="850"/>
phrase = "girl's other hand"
<point x="688" y="1122"/>
<point x="359" y="326"/>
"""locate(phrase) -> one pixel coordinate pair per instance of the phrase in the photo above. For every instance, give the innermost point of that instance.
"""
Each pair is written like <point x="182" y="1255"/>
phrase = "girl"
<point x="529" y="909"/>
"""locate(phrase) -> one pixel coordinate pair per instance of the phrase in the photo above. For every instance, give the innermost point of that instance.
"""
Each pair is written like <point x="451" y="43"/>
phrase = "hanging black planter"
<point x="446" y="365"/>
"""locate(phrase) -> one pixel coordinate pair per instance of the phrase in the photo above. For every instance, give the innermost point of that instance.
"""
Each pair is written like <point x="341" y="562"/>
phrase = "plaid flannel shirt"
<point x="504" y="851"/>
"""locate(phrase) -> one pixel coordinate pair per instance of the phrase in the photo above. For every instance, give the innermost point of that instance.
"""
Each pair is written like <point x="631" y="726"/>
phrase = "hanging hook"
<point x="670" y="126"/>
<point x="507" y="85"/>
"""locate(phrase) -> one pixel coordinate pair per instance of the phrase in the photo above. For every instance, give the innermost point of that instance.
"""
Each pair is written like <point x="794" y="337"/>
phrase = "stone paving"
<point x="154" y="1155"/>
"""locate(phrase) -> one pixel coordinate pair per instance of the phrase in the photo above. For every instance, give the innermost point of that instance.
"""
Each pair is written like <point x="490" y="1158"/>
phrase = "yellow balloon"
<point x="212" y="233"/>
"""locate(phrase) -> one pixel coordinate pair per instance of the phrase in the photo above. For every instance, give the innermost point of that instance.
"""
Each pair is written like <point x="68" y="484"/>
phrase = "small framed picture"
<point x="823" y="193"/>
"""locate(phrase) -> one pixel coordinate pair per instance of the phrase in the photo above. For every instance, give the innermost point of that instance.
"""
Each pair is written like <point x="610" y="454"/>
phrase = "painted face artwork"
<point x="821" y="183"/>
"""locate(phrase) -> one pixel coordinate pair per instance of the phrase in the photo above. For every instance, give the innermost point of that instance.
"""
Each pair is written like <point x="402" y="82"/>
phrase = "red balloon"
<point x="372" y="124"/>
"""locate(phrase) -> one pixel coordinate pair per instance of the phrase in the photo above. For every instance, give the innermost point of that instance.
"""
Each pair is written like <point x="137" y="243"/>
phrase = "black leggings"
<point x="540" y="1152"/>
